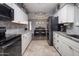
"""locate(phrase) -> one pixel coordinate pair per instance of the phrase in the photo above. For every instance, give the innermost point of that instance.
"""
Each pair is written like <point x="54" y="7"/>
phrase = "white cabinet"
<point x="76" y="53"/>
<point x="66" y="14"/>
<point x="76" y="22"/>
<point x="65" y="46"/>
<point x="57" y="42"/>
<point x="19" y="15"/>
<point x="66" y="50"/>
<point x="26" y="39"/>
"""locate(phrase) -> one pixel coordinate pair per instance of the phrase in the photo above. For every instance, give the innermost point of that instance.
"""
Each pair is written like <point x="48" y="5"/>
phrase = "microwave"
<point x="6" y="13"/>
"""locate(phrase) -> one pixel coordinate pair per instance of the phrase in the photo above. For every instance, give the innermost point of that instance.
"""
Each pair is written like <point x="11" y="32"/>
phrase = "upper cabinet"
<point x="76" y="15"/>
<point x="67" y="14"/>
<point x="19" y="15"/>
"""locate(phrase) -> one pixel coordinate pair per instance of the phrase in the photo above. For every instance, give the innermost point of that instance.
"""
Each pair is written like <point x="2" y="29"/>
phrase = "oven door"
<point x="11" y="48"/>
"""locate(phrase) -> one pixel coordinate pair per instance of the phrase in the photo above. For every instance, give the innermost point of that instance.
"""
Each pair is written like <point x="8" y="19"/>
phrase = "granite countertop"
<point x="67" y="36"/>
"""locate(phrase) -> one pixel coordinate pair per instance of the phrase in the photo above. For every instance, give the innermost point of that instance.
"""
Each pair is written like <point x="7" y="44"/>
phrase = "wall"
<point x="13" y="28"/>
<point x="39" y="19"/>
<point x="35" y="23"/>
<point x="73" y="30"/>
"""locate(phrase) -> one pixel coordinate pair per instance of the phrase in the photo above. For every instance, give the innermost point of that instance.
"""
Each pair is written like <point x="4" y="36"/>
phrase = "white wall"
<point x="36" y="24"/>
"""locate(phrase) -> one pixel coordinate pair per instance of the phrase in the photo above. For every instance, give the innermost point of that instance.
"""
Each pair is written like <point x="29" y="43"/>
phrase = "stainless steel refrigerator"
<point x="51" y="26"/>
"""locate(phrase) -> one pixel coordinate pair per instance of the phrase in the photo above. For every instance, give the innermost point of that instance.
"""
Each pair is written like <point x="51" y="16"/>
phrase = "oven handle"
<point x="10" y="43"/>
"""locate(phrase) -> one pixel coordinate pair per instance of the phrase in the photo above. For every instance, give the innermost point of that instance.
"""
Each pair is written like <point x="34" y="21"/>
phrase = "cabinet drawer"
<point x="76" y="53"/>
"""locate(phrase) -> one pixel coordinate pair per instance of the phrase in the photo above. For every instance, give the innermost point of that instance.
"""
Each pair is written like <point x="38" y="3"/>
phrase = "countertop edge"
<point x="65" y="35"/>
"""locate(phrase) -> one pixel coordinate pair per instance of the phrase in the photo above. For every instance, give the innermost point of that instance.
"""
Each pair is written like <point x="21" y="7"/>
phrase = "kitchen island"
<point x="65" y="44"/>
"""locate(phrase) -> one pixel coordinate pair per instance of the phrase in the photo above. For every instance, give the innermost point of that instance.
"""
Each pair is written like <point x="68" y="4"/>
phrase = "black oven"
<point x="2" y="35"/>
<point x="6" y="13"/>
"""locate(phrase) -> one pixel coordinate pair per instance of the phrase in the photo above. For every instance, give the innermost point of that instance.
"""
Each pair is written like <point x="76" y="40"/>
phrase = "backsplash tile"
<point x="13" y="28"/>
<point x="73" y="30"/>
<point x="11" y="25"/>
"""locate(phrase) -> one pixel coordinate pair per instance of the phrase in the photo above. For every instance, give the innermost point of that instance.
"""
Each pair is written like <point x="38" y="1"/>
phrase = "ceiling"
<point x="39" y="10"/>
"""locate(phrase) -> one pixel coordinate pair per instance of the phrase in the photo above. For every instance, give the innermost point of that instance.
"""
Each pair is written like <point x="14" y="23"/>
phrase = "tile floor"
<point x="40" y="48"/>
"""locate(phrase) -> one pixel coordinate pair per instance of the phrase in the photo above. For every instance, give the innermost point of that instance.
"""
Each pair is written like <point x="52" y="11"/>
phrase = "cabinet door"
<point x="54" y="40"/>
<point x="76" y="22"/>
<point x="62" y="15"/>
<point x="61" y="46"/>
<point x="67" y="50"/>
<point x="76" y="53"/>
<point x="57" y="42"/>
<point x="23" y="43"/>
<point x="66" y="14"/>
<point x="70" y="13"/>
<point x="55" y="37"/>
<point x="26" y="38"/>
<point x="64" y="48"/>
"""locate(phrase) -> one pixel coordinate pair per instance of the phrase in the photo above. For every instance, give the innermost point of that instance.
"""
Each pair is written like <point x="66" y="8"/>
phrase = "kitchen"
<point x="39" y="29"/>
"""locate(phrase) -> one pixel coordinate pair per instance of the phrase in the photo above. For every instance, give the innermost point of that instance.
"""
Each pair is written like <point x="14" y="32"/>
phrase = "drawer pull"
<point x="57" y="40"/>
<point x="57" y="35"/>
<point x="70" y="47"/>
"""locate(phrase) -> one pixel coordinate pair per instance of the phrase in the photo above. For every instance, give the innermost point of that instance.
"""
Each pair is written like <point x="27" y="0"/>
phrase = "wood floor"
<point x="40" y="47"/>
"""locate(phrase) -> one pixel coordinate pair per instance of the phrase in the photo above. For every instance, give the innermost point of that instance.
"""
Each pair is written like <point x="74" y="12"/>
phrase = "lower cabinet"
<point x="63" y="46"/>
<point x="26" y="39"/>
<point x="66" y="50"/>
<point x="76" y="53"/>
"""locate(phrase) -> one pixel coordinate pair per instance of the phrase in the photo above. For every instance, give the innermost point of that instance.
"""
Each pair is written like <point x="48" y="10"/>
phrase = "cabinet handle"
<point x="57" y="40"/>
<point x="57" y="35"/>
<point x="70" y="47"/>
